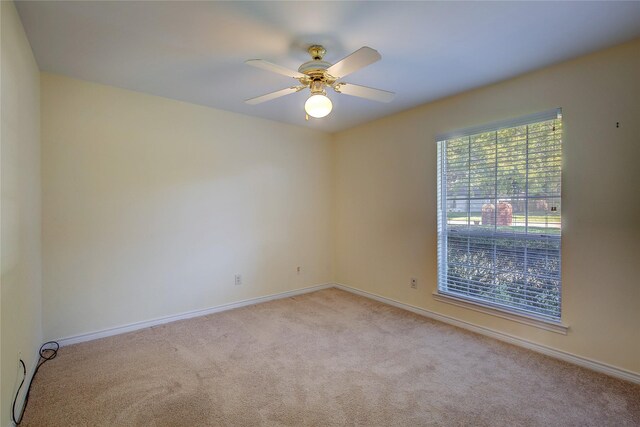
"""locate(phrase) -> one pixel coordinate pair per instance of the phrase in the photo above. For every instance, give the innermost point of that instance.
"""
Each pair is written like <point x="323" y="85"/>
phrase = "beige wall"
<point x="151" y="206"/>
<point x="20" y="287"/>
<point x="386" y="200"/>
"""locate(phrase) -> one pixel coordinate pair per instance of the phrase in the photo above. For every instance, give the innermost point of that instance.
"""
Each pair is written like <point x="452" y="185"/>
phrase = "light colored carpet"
<point x="322" y="359"/>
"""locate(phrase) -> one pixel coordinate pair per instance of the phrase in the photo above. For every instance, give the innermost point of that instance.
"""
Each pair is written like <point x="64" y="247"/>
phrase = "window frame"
<point x="507" y="311"/>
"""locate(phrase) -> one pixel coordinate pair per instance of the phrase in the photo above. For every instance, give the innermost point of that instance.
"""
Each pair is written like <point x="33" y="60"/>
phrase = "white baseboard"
<point x="521" y="342"/>
<point x="188" y="315"/>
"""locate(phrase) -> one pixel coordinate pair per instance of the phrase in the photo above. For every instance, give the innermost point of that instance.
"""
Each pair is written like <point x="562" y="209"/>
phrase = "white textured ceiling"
<point x="195" y="51"/>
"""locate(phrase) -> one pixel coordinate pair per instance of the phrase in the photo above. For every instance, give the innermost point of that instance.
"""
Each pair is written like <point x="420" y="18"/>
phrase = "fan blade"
<point x="358" y="59"/>
<point x="266" y="65"/>
<point x="274" y="95"/>
<point x="364" y="92"/>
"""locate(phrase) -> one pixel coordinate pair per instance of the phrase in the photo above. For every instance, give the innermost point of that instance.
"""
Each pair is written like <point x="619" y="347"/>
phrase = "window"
<point x="499" y="205"/>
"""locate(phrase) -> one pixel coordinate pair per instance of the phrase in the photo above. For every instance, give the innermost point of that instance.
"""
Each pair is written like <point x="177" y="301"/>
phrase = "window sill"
<point x="548" y="325"/>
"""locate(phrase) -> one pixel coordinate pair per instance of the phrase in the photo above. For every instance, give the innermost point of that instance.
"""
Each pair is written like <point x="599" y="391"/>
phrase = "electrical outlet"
<point x="20" y="355"/>
<point x="414" y="283"/>
<point x="298" y="270"/>
<point x="238" y="280"/>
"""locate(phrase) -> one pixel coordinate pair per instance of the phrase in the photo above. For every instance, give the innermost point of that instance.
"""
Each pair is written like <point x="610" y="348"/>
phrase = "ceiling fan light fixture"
<point x="318" y="106"/>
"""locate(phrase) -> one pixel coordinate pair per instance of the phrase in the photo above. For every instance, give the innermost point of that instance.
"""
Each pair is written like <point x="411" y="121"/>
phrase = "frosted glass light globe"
<point x="318" y="106"/>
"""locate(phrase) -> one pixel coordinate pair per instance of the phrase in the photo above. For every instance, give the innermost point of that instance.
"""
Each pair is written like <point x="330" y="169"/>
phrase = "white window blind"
<point x="499" y="211"/>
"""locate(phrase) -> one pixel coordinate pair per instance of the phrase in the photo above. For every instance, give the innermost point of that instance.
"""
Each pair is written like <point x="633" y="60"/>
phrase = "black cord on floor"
<point x="46" y="354"/>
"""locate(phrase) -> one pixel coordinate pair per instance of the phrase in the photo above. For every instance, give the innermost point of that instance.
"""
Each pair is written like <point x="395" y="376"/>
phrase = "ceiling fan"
<point x="317" y="75"/>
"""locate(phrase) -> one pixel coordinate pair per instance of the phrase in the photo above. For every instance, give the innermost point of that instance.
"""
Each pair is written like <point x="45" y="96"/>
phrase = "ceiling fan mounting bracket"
<point x="317" y="52"/>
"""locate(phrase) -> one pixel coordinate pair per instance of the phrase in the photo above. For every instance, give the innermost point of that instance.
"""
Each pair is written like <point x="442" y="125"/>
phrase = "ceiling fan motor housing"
<point x="315" y="71"/>
<point x="313" y="66"/>
<point x="316" y="76"/>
